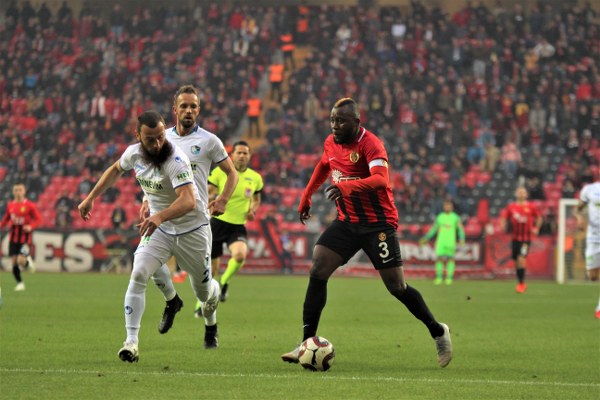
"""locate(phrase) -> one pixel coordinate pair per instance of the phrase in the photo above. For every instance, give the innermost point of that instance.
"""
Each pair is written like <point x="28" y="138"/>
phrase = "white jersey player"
<point x="589" y="198"/>
<point x="177" y="225"/>
<point x="203" y="149"/>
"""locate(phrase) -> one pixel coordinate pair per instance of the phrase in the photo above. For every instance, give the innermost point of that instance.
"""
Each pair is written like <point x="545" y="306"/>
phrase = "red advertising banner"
<point x="274" y="252"/>
<point x="540" y="260"/>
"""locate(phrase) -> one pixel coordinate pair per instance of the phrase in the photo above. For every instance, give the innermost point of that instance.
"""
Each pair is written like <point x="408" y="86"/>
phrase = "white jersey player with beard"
<point x="178" y="222"/>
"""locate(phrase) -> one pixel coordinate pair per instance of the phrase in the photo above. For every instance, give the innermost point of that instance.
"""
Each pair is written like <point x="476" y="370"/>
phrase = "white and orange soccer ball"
<point x="316" y="354"/>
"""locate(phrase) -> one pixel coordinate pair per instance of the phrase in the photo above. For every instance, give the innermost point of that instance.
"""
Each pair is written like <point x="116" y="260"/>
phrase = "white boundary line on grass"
<point x="322" y="376"/>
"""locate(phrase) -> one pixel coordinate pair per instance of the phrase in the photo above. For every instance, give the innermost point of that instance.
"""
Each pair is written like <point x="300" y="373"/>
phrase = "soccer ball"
<point x="316" y="354"/>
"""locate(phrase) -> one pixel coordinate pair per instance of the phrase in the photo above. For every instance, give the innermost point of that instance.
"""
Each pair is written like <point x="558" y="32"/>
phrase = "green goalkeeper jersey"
<point x="447" y="225"/>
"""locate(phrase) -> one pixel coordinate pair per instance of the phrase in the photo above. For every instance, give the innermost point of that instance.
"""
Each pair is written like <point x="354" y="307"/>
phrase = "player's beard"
<point x="159" y="158"/>
<point x="187" y="123"/>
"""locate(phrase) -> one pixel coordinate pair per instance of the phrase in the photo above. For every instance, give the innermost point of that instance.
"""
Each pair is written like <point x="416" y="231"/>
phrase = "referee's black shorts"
<point x="224" y="232"/>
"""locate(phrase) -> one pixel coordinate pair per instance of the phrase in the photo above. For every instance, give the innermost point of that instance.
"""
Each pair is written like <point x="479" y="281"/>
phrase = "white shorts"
<point x="592" y="256"/>
<point x="192" y="250"/>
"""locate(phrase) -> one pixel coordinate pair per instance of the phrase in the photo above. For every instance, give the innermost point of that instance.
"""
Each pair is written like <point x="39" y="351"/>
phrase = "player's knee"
<point x="397" y="290"/>
<point x="144" y="266"/>
<point x="321" y="268"/>
<point x="239" y="257"/>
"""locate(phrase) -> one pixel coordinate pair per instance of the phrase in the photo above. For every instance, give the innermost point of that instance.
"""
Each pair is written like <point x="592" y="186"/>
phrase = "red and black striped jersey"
<point x="522" y="219"/>
<point x="351" y="162"/>
<point x="19" y="214"/>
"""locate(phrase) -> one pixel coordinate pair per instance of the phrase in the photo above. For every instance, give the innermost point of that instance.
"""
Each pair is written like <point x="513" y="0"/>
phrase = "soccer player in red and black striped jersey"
<point x="525" y="221"/>
<point x="23" y="216"/>
<point x="367" y="219"/>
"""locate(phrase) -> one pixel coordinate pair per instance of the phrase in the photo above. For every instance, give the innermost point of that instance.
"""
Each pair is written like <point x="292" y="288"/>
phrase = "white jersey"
<point x="159" y="186"/>
<point x="203" y="148"/>
<point x="590" y="194"/>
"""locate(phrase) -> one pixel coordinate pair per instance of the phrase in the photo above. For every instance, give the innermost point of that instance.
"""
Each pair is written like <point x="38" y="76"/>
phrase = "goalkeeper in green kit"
<point x="446" y="224"/>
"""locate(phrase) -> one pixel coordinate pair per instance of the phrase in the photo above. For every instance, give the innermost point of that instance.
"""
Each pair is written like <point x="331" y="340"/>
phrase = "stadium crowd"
<point x="467" y="103"/>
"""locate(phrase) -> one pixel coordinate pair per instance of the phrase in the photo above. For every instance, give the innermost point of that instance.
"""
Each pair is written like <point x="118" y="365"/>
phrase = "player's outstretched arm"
<point x="108" y="178"/>
<point x="218" y="205"/>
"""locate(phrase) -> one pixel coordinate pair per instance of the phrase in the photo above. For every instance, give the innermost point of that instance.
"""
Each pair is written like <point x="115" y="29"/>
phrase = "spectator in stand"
<point x="118" y="218"/>
<point x="63" y="206"/>
<point x="253" y="108"/>
<point x="511" y="158"/>
<point x="276" y="79"/>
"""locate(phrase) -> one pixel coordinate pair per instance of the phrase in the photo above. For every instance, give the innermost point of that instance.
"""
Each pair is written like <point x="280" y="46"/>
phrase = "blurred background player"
<point x="525" y="221"/>
<point x="177" y="224"/>
<point x="447" y="224"/>
<point x="203" y="149"/>
<point x="367" y="219"/>
<point x="229" y="227"/>
<point x="590" y="198"/>
<point x="23" y="216"/>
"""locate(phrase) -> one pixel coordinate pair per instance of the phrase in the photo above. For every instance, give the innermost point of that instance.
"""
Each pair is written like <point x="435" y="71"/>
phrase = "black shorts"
<point x="379" y="242"/>
<point x="15" y="249"/>
<point x="520" y="248"/>
<point x="224" y="232"/>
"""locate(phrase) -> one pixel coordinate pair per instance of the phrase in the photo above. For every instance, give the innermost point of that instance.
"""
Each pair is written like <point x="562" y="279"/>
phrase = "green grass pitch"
<point x="59" y="340"/>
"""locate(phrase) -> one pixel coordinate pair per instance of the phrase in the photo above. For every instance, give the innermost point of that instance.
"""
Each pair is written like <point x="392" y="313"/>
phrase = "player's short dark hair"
<point x="150" y="118"/>
<point x="348" y="101"/>
<point x="188" y="89"/>
<point x="240" y="143"/>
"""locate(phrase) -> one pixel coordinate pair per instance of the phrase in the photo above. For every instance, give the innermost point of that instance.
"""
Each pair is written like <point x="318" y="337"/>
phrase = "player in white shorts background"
<point x="589" y="198"/>
<point x="178" y="223"/>
<point x="203" y="149"/>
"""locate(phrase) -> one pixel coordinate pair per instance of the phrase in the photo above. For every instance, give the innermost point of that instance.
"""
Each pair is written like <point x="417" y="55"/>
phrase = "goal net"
<point x="570" y="263"/>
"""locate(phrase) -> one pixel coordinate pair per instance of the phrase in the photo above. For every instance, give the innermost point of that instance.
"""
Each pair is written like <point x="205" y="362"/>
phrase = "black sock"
<point x="174" y="300"/>
<point x="17" y="273"/>
<point x="413" y="300"/>
<point x="521" y="275"/>
<point x="314" y="302"/>
<point x="211" y="329"/>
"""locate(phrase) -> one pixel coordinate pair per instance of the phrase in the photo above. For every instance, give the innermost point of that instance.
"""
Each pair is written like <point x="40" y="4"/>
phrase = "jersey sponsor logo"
<point x="354" y="156"/>
<point x="196" y="149"/>
<point x="149" y="185"/>
<point x="382" y="237"/>
<point x="336" y="175"/>
<point x="183" y="176"/>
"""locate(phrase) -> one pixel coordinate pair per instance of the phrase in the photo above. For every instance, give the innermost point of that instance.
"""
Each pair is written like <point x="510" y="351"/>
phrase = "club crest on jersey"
<point x="22" y="209"/>
<point x="336" y="176"/>
<point x="354" y="156"/>
<point x="196" y="149"/>
<point x="382" y="237"/>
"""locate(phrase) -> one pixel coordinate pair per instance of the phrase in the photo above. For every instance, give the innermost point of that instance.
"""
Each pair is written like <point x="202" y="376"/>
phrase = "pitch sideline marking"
<point x="277" y="376"/>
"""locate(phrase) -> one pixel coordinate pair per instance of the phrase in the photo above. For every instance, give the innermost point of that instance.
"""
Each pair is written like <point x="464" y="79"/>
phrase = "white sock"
<point x="598" y="306"/>
<point x="162" y="280"/>
<point x="212" y="320"/>
<point x="135" y="302"/>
